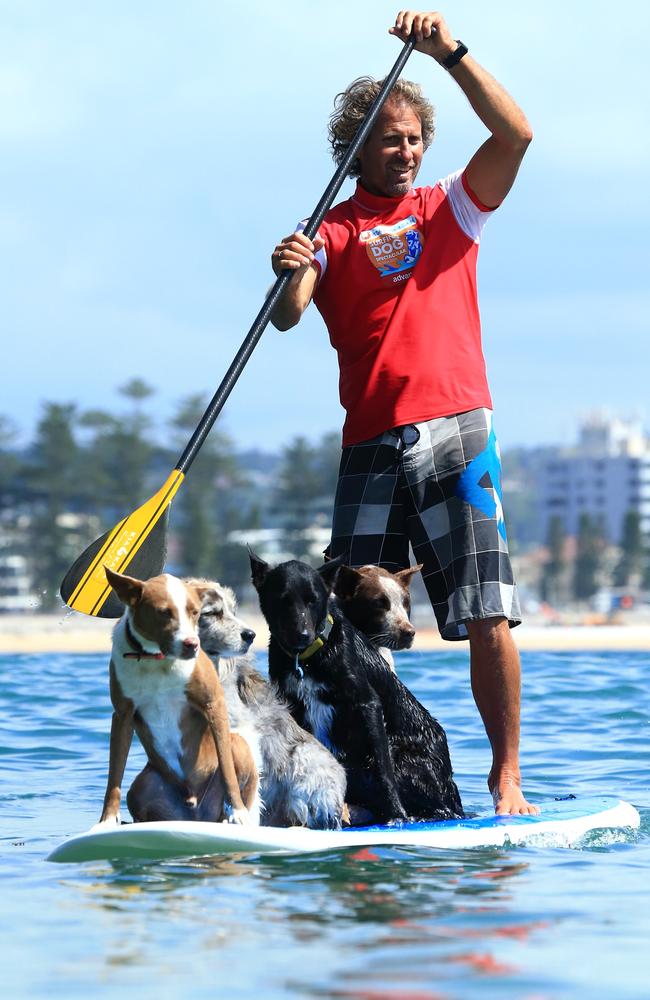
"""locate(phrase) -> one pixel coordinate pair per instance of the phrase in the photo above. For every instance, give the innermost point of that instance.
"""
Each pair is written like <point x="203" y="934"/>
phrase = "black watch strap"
<point x="455" y="56"/>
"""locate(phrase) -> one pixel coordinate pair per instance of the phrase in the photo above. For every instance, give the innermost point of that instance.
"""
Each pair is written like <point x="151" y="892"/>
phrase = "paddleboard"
<point x="561" y="823"/>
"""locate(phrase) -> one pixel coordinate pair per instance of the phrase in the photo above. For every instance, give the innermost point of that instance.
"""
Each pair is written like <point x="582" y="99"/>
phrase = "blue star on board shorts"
<point x="473" y="489"/>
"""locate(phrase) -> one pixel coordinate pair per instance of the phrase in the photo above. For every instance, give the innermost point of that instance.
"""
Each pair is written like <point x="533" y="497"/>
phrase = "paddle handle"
<point x="262" y="319"/>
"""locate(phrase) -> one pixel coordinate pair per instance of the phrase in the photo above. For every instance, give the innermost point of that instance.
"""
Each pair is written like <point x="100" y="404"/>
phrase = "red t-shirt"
<point x="397" y="291"/>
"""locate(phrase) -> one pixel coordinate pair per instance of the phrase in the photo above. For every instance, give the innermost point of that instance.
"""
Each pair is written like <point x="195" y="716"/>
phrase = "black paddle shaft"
<point x="262" y="319"/>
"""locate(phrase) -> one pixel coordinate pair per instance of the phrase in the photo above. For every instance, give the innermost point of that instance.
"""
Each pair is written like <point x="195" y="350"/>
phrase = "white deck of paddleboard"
<point x="561" y="823"/>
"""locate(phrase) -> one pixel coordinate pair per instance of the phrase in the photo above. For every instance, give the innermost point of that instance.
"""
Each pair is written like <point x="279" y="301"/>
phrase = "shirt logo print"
<point x="393" y="249"/>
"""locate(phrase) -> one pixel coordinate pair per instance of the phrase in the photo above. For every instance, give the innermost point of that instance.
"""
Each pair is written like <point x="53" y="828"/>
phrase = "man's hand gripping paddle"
<point x="138" y="543"/>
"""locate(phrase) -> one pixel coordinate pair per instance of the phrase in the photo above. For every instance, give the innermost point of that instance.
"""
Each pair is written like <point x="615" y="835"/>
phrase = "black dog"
<point x="339" y="687"/>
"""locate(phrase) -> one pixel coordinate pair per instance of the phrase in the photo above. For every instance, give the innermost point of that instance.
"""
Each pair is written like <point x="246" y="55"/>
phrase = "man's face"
<point x="391" y="155"/>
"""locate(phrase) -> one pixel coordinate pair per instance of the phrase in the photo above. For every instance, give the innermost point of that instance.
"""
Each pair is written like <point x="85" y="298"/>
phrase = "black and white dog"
<point x="340" y="688"/>
<point x="301" y="783"/>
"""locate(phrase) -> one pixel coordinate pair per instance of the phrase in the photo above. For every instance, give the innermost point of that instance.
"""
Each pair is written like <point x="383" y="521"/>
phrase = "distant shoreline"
<point x="75" y="633"/>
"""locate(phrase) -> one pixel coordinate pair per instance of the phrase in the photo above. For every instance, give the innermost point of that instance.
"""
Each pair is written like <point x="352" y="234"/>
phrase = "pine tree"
<point x="326" y="464"/>
<point x="206" y="508"/>
<point x="588" y="558"/>
<point x="118" y="457"/>
<point x="293" y="500"/>
<point x="130" y="448"/>
<point x="101" y="494"/>
<point x="53" y="474"/>
<point x="632" y="550"/>
<point x="136" y="389"/>
<point x="555" y="565"/>
<point x="9" y="463"/>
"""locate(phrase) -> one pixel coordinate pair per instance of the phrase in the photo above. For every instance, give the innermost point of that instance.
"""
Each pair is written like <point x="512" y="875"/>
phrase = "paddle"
<point x="139" y="541"/>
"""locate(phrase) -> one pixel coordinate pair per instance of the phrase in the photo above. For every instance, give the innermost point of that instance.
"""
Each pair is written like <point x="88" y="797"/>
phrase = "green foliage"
<point x="9" y="464"/>
<point x="327" y="462"/>
<point x="555" y="565"/>
<point x="85" y="471"/>
<point x="633" y="553"/>
<point x="136" y="389"/>
<point x="207" y="506"/>
<point x="52" y="472"/>
<point x="299" y="486"/>
<point x="118" y="455"/>
<point x="590" y="545"/>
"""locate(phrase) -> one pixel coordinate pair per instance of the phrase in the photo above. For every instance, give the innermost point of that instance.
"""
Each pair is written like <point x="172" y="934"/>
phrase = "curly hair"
<point x="352" y="104"/>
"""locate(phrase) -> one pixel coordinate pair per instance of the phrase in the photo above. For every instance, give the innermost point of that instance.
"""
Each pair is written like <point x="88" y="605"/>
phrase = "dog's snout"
<point x="247" y="635"/>
<point x="406" y="636"/>
<point x="190" y="644"/>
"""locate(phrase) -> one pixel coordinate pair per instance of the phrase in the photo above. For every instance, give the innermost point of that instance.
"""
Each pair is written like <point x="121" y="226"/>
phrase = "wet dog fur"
<point x="378" y="603"/>
<point x="301" y="783"/>
<point x="394" y="752"/>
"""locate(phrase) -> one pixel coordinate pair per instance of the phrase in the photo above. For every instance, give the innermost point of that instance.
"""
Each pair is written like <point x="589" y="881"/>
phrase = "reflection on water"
<point x="378" y="910"/>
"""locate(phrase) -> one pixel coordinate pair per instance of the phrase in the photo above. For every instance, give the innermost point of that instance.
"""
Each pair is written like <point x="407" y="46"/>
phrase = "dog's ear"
<point x="259" y="569"/>
<point x="346" y="582"/>
<point x="128" y="589"/>
<point x="406" y="575"/>
<point x="206" y="592"/>
<point x="329" y="570"/>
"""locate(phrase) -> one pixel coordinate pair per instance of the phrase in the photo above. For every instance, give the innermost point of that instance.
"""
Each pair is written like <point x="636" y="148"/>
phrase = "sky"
<point x="152" y="154"/>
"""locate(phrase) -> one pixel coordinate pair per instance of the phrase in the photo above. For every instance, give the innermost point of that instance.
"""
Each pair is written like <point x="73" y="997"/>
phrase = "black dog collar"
<point x="140" y="652"/>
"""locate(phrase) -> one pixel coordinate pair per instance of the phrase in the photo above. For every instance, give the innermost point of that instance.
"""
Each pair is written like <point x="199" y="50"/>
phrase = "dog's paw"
<point x="239" y="816"/>
<point x="105" y="823"/>
<point x="397" y="821"/>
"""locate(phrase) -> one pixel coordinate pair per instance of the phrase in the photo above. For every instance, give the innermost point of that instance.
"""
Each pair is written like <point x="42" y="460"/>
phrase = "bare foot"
<point x="509" y="799"/>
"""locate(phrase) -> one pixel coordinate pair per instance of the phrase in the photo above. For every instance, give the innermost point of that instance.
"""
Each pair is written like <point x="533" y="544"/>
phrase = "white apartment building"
<point x="605" y="475"/>
<point x="16" y="592"/>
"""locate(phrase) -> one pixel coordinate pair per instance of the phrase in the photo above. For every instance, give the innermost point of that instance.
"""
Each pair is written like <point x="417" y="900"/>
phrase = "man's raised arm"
<point x="492" y="170"/>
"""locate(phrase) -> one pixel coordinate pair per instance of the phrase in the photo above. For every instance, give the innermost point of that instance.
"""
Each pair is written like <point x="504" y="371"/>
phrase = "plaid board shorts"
<point x="437" y="485"/>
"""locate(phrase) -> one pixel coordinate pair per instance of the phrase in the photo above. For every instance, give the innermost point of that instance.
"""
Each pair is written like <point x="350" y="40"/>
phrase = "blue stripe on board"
<point x="564" y="809"/>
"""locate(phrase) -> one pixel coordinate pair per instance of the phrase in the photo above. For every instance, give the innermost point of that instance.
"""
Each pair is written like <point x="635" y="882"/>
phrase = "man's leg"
<point x="496" y="686"/>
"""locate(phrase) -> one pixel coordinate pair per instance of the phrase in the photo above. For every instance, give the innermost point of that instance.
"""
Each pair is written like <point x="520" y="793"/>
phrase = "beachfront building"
<point x="605" y="475"/>
<point x="16" y="586"/>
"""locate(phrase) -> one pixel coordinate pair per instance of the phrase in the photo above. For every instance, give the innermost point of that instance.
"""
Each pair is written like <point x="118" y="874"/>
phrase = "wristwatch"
<point x="455" y="56"/>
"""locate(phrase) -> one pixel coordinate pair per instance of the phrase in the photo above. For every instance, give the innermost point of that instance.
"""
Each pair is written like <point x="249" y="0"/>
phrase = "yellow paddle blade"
<point x="138" y="539"/>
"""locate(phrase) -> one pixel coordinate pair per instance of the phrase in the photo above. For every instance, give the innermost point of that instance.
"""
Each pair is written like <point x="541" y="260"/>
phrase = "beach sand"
<point x="69" y="632"/>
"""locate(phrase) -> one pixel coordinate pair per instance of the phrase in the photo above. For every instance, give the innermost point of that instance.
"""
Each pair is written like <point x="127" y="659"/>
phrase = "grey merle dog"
<point x="339" y="687"/>
<point x="301" y="783"/>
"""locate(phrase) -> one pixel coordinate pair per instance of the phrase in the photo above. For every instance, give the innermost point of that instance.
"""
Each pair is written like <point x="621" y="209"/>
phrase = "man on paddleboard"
<point x="393" y="273"/>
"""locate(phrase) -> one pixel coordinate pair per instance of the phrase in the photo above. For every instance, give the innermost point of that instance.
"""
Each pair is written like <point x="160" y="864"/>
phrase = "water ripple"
<point x="386" y="923"/>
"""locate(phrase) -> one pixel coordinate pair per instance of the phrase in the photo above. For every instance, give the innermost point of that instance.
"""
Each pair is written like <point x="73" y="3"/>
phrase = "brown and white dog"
<point x="166" y="688"/>
<point x="378" y="603"/>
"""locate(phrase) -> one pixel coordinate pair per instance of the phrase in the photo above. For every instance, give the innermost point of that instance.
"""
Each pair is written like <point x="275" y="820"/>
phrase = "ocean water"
<point x="384" y="924"/>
